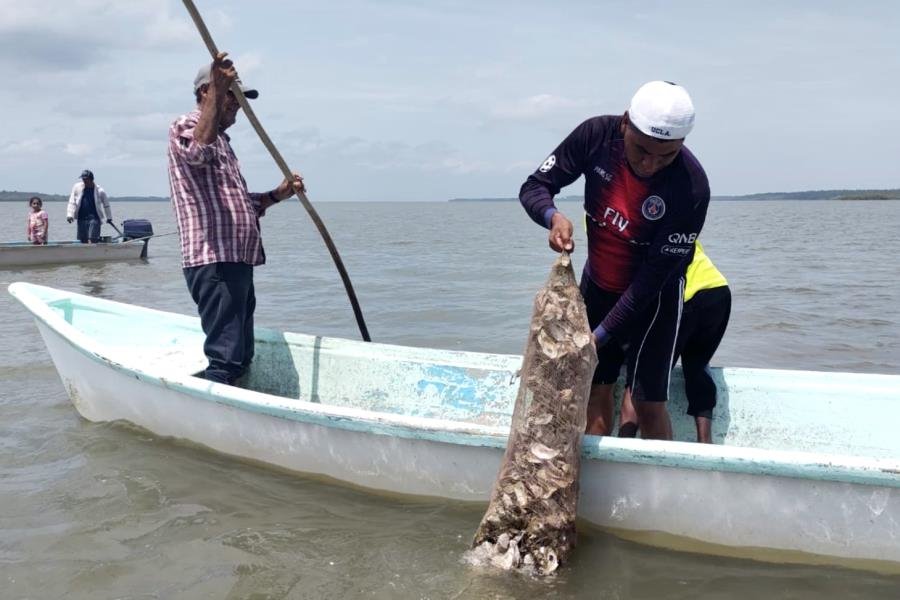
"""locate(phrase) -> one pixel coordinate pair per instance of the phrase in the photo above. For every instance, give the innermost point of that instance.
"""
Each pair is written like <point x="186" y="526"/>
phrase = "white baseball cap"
<point x="203" y="76"/>
<point x="663" y="110"/>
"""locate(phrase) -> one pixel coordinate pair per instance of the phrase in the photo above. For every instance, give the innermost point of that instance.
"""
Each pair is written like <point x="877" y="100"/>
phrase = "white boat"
<point x="804" y="469"/>
<point x="26" y="254"/>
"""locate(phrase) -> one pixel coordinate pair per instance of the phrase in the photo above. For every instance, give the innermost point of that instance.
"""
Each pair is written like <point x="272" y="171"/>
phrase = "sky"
<point x="431" y="100"/>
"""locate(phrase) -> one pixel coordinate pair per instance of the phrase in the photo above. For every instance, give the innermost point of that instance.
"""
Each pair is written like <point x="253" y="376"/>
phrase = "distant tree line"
<point x="8" y="196"/>
<point x="893" y="194"/>
<point x="872" y="195"/>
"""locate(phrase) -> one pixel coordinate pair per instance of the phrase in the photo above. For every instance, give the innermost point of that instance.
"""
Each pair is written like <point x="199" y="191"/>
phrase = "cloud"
<point x="433" y="156"/>
<point x="26" y="146"/>
<point x="46" y="49"/>
<point x="77" y="149"/>
<point x="79" y="33"/>
<point x="534" y="107"/>
<point x="150" y="127"/>
<point x="248" y="64"/>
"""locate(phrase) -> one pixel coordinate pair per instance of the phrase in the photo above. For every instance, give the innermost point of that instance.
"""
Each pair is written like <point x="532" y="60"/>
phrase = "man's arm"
<point x="194" y="141"/>
<point x="561" y="168"/>
<point x="285" y="190"/>
<point x="70" y="207"/>
<point x="564" y="165"/>
<point x="104" y="201"/>
<point x="182" y="145"/>
<point x="222" y="75"/>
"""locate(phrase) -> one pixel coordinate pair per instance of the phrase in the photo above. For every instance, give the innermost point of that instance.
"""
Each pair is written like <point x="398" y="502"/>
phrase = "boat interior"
<point x="834" y="413"/>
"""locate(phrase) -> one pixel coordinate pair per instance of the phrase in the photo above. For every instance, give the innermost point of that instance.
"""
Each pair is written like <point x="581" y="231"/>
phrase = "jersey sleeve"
<point x="564" y="165"/>
<point x="668" y="255"/>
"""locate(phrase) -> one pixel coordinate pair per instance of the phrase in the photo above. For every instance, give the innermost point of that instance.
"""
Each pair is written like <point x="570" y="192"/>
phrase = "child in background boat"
<point x="37" y="227"/>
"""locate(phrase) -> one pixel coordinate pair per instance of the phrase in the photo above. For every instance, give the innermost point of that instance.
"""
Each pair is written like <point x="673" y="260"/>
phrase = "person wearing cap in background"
<point x="645" y="199"/>
<point x="88" y="205"/>
<point x="218" y="220"/>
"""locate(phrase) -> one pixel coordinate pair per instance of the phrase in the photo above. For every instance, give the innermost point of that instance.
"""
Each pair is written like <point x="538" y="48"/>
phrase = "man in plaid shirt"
<point x="218" y="220"/>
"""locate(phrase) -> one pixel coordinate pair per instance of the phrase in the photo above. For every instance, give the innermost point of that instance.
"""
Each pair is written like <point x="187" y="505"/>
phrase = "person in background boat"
<point x="89" y="206"/>
<point x="37" y="227"/>
<point x="218" y="220"/>
<point x="646" y="197"/>
<point x="707" y="308"/>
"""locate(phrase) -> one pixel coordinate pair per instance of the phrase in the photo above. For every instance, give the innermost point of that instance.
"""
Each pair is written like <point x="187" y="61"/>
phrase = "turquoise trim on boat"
<point x="464" y="384"/>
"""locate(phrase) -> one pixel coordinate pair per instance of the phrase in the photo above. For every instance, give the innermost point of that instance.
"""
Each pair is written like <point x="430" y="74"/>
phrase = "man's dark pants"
<point x="225" y="300"/>
<point x="89" y="230"/>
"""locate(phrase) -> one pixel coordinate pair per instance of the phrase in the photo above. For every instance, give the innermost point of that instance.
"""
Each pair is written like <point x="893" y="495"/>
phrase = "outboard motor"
<point x="136" y="228"/>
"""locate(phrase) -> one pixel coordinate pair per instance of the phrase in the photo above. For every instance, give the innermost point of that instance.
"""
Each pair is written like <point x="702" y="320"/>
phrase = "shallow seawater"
<point x="109" y="511"/>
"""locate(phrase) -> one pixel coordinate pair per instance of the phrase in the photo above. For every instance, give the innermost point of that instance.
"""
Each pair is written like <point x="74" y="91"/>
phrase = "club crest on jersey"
<point x="653" y="208"/>
<point x="548" y="164"/>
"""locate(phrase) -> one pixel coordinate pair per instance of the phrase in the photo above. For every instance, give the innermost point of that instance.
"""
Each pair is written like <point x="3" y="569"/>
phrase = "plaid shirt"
<point x="218" y="219"/>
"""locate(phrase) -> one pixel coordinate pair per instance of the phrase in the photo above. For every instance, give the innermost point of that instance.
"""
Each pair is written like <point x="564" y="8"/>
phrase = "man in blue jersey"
<point x="645" y="198"/>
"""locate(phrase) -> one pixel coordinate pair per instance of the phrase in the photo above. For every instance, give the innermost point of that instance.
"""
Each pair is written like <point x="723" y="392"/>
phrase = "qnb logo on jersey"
<point x="548" y="164"/>
<point x="682" y="238"/>
<point x="659" y="131"/>
<point x="653" y="208"/>
<point x="615" y="218"/>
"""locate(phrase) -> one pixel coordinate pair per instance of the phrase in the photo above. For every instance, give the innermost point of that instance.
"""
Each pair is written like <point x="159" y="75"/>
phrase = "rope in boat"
<point x="147" y="237"/>
<point x="288" y="174"/>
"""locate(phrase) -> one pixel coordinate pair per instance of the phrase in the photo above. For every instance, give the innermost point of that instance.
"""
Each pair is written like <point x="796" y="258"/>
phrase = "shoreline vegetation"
<point x="892" y="194"/>
<point x="9" y="196"/>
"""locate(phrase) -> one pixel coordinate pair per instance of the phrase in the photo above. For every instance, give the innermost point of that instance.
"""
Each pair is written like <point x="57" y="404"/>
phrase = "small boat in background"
<point x="805" y="468"/>
<point x="131" y="244"/>
<point x="26" y="254"/>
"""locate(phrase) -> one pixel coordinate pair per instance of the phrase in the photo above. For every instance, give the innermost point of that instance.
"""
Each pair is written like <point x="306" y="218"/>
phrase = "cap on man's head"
<point x="86" y="174"/>
<point x="663" y="110"/>
<point x="203" y="78"/>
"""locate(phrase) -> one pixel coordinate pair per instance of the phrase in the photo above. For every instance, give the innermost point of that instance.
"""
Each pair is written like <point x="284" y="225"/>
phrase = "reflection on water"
<point x="93" y="287"/>
<point x="100" y="511"/>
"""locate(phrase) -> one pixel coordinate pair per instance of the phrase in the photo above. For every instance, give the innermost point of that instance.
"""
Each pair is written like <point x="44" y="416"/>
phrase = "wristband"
<point x="548" y="217"/>
<point x="601" y="336"/>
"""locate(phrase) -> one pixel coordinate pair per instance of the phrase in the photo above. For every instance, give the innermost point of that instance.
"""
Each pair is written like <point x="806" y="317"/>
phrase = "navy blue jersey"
<point x="640" y="231"/>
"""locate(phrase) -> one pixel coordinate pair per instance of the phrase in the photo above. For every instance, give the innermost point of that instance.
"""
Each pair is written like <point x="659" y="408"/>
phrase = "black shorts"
<point x="646" y="348"/>
<point x="703" y="323"/>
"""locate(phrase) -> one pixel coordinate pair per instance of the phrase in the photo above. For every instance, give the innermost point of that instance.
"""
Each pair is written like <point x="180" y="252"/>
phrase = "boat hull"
<point x="60" y="253"/>
<point x="745" y="514"/>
